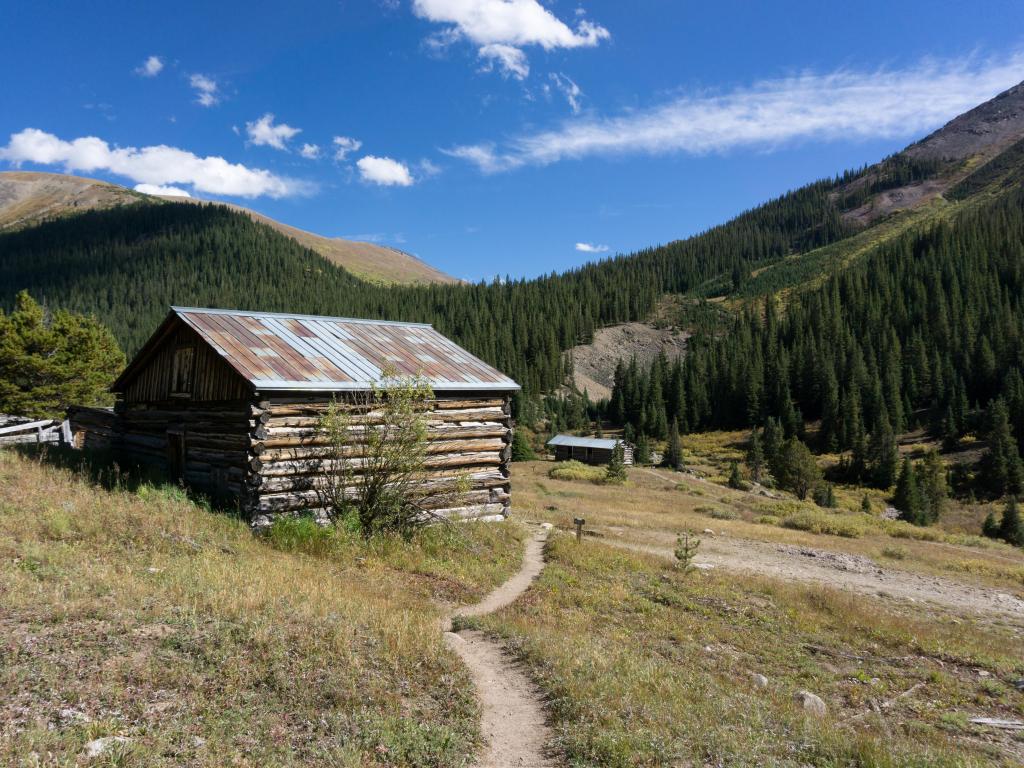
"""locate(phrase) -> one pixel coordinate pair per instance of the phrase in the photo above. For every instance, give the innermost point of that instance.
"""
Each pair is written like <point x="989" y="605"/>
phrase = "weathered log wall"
<point x="270" y="456"/>
<point x="468" y="450"/>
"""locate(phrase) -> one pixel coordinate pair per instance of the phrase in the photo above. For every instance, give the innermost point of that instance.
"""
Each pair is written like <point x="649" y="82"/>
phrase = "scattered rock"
<point x="993" y="722"/>
<point x="97" y="747"/>
<point x="890" y="513"/>
<point x="759" y="681"/>
<point x="70" y="713"/>
<point x="811" y="703"/>
<point x="198" y="741"/>
<point x="1019" y="684"/>
<point x="983" y="673"/>
<point x="154" y="570"/>
<point x="704" y="566"/>
<point x="708" y="532"/>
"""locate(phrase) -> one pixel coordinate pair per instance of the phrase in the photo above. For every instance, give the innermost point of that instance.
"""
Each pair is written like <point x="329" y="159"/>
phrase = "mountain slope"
<point x="127" y="264"/>
<point x="28" y="198"/>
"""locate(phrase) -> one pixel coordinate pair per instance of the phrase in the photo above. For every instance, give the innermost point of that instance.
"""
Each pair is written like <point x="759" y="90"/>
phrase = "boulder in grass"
<point x="811" y="703"/>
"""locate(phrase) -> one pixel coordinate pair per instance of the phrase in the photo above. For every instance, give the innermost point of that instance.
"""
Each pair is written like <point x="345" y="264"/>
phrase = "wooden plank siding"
<point x="210" y="378"/>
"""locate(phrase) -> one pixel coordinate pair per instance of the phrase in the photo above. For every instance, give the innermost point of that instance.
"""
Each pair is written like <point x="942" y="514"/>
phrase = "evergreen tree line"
<point x="127" y="265"/>
<point x="928" y="330"/>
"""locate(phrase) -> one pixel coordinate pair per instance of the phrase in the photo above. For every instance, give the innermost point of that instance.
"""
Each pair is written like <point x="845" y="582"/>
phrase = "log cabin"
<point x="229" y="403"/>
<point x="589" y="450"/>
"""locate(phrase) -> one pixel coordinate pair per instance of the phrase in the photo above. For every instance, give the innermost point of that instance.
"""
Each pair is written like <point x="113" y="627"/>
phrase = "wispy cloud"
<point x="206" y="88"/>
<point x="510" y="60"/>
<point x="502" y="28"/>
<point x="151" y="67"/>
<point x="568" y="88"/>
<point x="591" y="248"/>
<point x="343" y="145"/>
<point x="310" y="151"/>
<point x="263" y="132"/>
<point x="384" y="171"/>
<point x="839" y="105"/>
<point x="156" y="166"/>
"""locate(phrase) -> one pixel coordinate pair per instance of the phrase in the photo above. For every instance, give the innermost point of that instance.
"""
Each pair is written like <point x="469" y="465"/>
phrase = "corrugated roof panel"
<point x="275" y="351"/>
<point x="583" y="442"/>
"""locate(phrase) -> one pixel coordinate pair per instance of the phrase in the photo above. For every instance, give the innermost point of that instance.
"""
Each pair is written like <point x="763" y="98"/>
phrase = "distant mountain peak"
<point x="985" y="130"/>
<point x="30" y="197"/>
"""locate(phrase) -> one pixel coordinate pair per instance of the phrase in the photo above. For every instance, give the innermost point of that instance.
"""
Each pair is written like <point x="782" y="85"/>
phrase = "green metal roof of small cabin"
<point x="286" y="352"/>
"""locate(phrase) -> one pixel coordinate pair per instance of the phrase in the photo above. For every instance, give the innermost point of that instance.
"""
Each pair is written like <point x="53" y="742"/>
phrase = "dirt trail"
<point x="837" y="570"/>
<point x="513" y="717"/>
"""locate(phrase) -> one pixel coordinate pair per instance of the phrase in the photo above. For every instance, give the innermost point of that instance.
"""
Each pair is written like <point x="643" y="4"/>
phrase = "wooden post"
<point x="579" y="522"/>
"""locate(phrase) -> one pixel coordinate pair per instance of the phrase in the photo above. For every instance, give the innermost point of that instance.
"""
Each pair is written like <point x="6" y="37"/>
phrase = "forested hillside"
<point x="924" y="314"/>
<point x="128" y="264"/>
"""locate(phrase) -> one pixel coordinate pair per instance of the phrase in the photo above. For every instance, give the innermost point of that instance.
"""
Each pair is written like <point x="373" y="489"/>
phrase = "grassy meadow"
<point x="646" y="666"/>
<point x="143" y="615"/>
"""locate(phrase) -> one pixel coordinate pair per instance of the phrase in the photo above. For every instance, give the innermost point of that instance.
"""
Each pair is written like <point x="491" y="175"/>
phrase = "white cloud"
<point x="151" y="67"/>
<point x="840" y="105"/>
<point x="591" y="248"/>
<point x="384" y="171"/>
<point x="569" y="89"/>
<point x="343" y="145"/>
<point x="510" y="59"/>
<point x="207" y="90"/>
<point x="427" y="169"/>
<point x="156" y="189"/>
<point x="501" y="28"/>
<point x="263" y="132"/>
<point x="158" y="165"/>
<point x="310" y="151"/>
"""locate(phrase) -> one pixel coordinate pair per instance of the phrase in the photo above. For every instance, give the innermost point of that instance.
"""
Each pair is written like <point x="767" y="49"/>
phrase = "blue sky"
<point x="488" y="136"/>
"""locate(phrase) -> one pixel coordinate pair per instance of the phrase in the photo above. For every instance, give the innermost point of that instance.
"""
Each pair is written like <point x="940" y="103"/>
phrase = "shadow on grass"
<point x="105" y="470"/>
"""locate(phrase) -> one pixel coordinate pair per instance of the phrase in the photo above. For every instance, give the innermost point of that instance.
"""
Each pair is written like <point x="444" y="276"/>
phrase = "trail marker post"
<point x="579" y="523"/>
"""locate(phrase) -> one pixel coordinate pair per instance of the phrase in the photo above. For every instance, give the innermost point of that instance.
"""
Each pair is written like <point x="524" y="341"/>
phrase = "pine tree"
<point x="1010" y="528"/>
<point x="736" y="478"/>
<point x="933" y="486"/>
<point x="884" y="455"/>
<point x="616" y="471"/>
<point x="773" y="440"/>
<point x="1001" y="470"/>
<point x="755" y="457"/>
<point x="990" y="527"/>
<point x="907" y="498"/>
<point x="642" y="452"/>
<point x="865" y="504"/>
<point x="674" y="450"/>
<point x="797" y="470"/>
<point x="48" y="363"/>
<point x="521" y="448"/>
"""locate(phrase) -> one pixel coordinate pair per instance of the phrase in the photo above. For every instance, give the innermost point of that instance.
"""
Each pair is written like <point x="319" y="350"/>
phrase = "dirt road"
<point x="831" y="569"/>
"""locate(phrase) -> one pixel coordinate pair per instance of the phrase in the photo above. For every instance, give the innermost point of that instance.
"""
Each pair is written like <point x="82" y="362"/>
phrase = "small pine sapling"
<point x="686" y="551"/>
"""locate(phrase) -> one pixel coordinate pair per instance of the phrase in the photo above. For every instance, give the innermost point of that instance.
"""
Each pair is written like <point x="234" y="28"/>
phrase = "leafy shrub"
<point x="768" y="520"/>
<point x="818" y="522"/>
<point x="718" y="513"/>
<point x="576" y="470"/>
<point x="894" y="553"/>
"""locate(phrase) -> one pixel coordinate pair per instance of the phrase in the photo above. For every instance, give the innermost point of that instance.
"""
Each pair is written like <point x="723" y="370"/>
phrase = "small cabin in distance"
<point x="229" y="403"/>
<point x="589" y="450"/>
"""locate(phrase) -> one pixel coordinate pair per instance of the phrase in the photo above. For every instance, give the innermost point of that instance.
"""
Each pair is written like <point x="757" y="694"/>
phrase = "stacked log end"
<point x="270" y="457"/>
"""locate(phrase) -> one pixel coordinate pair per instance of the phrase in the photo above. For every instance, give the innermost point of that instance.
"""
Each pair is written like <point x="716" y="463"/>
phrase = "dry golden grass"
<point x="645" y="666"/>
<point x="669" y="501"/>
<point x="143" y="615"/>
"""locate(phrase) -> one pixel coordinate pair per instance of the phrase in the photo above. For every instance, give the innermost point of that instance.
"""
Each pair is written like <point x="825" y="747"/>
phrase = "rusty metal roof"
<point x="274" y="351"/>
